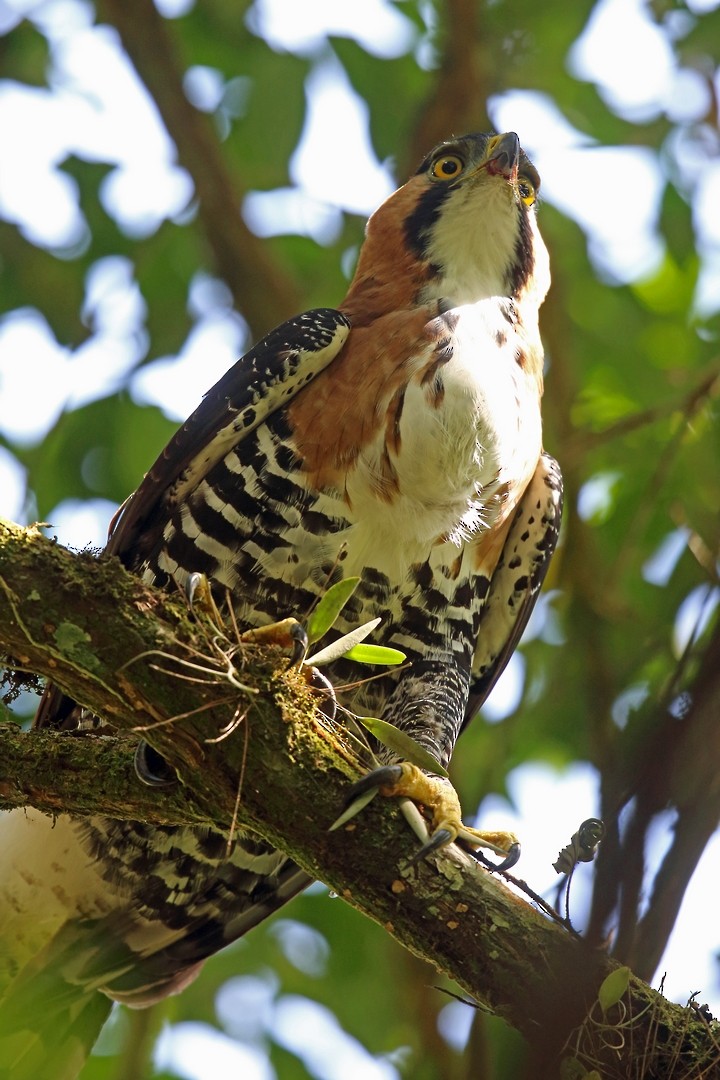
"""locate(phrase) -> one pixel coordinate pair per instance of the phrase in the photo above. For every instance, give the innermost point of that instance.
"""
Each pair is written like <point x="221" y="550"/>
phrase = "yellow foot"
<point x="440" y="799"/>
<point x="288" y="634"/>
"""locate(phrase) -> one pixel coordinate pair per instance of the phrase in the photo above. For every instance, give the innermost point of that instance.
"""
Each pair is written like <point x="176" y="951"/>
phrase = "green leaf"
<point x="402" y="744"/>
<point x="375" y="654"/>
<point x="342" y="645"/>
<point x="613" y="988"/>
<point x="332" y="603"/>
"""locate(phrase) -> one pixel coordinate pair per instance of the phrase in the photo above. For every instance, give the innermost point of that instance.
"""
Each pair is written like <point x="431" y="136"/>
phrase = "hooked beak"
<point x="502" y="156"/>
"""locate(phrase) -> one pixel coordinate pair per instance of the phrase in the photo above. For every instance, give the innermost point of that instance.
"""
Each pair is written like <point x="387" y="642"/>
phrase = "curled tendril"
<point x="582" y="847"/>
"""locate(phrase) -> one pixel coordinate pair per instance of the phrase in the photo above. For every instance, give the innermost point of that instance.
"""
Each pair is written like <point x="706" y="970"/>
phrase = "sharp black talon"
<point x="192" y="582"/>
<point x="152" y="768"/>
<point x="300" y="643"/>
<point x="438" y="840"/>
<point x="510" y="859"/>
<point x="386" y="774"/>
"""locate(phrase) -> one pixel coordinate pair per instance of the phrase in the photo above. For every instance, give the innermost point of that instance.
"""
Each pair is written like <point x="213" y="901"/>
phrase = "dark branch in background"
<point x="98" y="632"/>
<point x="684" y="773"/>
<point x="580" y="442"/>
<point x="261" y="290"/>
<point x="463" y="83"/>
<point x="673" y="763"/>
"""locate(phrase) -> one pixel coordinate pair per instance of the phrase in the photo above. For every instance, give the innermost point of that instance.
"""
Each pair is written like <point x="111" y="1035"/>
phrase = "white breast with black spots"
<point x="469" y="435"/>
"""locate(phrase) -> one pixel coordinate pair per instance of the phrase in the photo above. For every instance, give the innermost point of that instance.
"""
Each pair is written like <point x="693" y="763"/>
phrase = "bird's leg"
<point x="425" y="713"/>
<point x="440" y="800"/>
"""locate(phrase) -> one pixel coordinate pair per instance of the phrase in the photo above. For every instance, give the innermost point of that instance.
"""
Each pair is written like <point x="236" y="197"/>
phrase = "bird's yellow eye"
<point x="527" y="190"/>
<point x="447" y="167"/>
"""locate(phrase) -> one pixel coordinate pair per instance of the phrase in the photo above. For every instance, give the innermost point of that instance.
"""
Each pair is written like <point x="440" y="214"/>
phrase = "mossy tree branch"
<point x="97" y="632"/>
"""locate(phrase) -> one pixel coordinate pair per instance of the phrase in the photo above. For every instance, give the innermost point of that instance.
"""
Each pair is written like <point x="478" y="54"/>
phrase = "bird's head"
<point x="462" y="229"/>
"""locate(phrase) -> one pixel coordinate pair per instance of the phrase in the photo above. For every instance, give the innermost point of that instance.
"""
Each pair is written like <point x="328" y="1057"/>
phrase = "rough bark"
<point x="99" y="633"/>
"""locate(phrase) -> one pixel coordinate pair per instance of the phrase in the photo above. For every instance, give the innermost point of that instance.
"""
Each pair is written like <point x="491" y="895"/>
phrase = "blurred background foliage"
<point x="176" y="179"/>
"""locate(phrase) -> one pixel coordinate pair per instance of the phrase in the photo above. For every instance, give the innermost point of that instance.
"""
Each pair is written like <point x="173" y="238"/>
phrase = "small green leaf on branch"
<point x="332" y="603"/>
<point x="613" y="988"/>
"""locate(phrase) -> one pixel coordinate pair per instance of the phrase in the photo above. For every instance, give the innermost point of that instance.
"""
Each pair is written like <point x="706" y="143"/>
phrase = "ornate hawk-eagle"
<point x="397" y="438"/>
